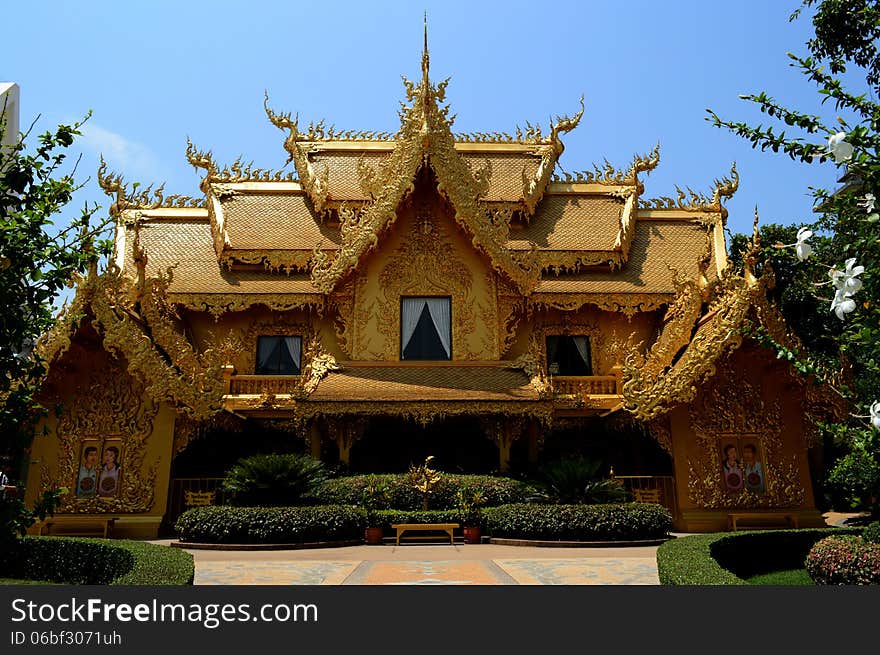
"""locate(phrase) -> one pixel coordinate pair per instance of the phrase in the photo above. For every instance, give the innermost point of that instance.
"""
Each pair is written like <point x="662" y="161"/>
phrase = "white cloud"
<point x="134" y="160"/>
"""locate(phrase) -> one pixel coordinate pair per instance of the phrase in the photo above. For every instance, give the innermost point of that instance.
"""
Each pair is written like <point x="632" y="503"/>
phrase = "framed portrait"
<point x="742" y="465"/>
<point x="111" y="468"/>
<point x="89" y="468"/>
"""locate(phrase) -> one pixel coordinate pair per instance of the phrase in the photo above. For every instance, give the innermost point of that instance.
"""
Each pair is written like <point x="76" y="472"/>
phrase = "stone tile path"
<point x="431" y="565"/>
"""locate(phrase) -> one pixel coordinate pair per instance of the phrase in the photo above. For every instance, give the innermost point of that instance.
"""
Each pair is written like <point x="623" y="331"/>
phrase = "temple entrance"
<point x="391" y="444"/>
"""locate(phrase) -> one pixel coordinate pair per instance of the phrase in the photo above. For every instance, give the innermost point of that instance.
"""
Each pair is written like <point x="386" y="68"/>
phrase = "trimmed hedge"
<point x="387" y="517"/>
<point x="847" y="560"/>
<point x="871" y="533"/>
<point x="401" y="495"/>
<point x="72" y="560"/>
<point x="271" y="525"/>
<point x="728" y="558"/>
<point x="612" y="522"/>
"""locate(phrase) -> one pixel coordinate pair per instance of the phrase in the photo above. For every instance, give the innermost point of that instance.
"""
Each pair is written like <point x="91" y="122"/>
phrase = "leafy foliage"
<point x="848" y="560"/>
<point x="71" y="560"/>
<point x="729" y="558"/>
<point x="271" y="525"/>
<point x="846" y="33"/>
<point x="612" y="522"/>
<point x="399" y="494"/>
<point x="16" y="518"/>
<point x="578" y="481"/>
<point x="37" y="261"/>
<point x="871" y="533"/>
<point x="273" y="480"/>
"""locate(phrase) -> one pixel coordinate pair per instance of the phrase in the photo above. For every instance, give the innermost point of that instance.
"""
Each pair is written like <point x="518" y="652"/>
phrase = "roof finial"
<point x="426" y="59"/>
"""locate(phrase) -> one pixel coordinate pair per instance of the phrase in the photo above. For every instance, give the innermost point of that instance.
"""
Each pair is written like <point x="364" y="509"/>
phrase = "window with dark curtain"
<point x="569" y="355"/>
<point x="278" y="355"/>
<point x="426" y="328"/>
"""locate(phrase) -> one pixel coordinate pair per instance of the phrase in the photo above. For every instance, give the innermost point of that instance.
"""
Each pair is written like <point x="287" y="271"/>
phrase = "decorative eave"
<point x="628" y="304"/>
<point x="664" y="378"/>
<point x="693" y="202"/>
<point x="424" y="138"/>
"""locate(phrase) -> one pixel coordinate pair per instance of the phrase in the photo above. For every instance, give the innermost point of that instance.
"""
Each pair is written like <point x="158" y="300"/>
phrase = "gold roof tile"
<point x="440" y="383"/>
<point x="256" y="221"/>
<point x="187" y="245"/>
<point x="657" y="246"/>
<point x="571" y="222"/>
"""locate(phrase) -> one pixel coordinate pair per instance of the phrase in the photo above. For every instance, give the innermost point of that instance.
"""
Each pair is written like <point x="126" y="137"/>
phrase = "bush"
<point x="71" y="560"/>
<point x="579" y="481"/>
<point x="847" y="560"/>
<point x="401" y="495"/>
<point x="271" y="525"/>
<point x="616" y="522"/>
<point x="273" y="480"/>
<point x="871" y="533"/>
<point x="728" y="558"/>
<point x="387" y="517"/>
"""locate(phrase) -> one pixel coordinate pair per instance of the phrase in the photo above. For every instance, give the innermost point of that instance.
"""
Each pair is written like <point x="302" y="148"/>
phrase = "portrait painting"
<point x="110" y="468"/>
<point x="89" y="468"/>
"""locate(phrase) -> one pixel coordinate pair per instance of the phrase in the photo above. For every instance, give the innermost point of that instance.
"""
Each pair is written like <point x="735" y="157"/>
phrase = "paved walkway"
<point x="429" y="565"/>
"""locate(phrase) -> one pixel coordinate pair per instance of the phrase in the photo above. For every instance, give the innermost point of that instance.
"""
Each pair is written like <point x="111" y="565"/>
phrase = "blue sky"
<point x="155" y="72"/>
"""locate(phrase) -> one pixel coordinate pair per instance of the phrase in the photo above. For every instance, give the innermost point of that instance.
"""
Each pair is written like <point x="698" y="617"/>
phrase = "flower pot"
<point x="472" y="535"/>
<point x="373" y="536"/>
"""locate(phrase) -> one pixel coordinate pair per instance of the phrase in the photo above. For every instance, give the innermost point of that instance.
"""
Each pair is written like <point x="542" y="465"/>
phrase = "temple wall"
<point x="608" y="332"/>
<point x="104" y="407"/>
<point x="751" y="401"/>
<point x="424" y="254"/>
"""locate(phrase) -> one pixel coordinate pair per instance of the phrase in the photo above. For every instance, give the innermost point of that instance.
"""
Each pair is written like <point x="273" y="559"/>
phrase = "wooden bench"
<point x="424" y="527"/>
<point x="79" y="526"/>
<point x="735" y="518"/>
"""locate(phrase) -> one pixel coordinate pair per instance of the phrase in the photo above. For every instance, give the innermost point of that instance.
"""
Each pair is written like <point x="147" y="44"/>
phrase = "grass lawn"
<point x="8" y="581"/>
<point x="788" y="578"/>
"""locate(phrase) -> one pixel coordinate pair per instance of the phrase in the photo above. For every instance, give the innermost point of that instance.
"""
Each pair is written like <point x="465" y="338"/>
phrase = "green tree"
<point x="842" y="275"/>
<point x="38" y="259"/>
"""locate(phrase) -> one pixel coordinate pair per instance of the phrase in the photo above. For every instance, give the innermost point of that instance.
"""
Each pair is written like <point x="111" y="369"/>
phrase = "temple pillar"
<point x="315" y="439"/>
<point x="534" y="443"/>
<point x="347" y="432"/>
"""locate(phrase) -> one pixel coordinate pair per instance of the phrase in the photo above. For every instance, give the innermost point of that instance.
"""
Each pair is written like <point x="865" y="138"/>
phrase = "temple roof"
<point x="360" y="382"/>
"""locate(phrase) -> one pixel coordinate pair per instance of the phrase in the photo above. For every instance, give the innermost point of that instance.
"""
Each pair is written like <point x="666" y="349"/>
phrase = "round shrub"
<point x="871" y="533"/>
<point x="613" y="522"/>
<point x="71" y="560"/>
<point x="844" y="561"/>
<point x="271" y="525"/>
<point x="401" y="495"/>
<point x="273" y="480"/>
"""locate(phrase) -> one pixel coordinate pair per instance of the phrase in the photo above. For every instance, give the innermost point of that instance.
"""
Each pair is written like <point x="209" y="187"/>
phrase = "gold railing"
<point x="586" y="385"/>
<point x="257" y="385"/>
<point x="645" y="488"/>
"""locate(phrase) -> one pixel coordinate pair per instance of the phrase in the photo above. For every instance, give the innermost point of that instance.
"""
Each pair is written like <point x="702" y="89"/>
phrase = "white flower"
<point x="840" y="149"/>
<point x="875" y="415"/>
<point x="803" y="248"/>
<point x="842" y="305"/>
<point x="867" y="203"/>
<point x="846" y="281"/>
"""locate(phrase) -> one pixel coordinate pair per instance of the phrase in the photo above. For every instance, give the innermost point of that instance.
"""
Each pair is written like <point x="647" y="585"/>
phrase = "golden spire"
<point x="426" y="58"/>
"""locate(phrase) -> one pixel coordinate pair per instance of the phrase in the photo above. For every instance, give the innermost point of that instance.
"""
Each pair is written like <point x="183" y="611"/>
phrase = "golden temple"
<point x="426" y="290"/>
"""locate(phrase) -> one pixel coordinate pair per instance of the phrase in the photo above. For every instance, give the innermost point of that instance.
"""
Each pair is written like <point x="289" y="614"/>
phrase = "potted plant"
<point x="469" y="504"/>
<point x="374" y="495"/>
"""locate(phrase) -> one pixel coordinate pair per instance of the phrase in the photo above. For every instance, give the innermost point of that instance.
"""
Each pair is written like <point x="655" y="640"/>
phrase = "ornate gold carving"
<point x="424" y="136"/>
<point x="279" y="325"/>
<point x="320" y="363"/>
<point x="692" y="201"/>
<point x="660" y="430"/>
<point x="677" y="329"/>
<point x="427" y="412"/>
<point x="238" y="171"/>
<point x="114" y="186"/>
<point x="218" y="304"/>
<point x="426" y="264"/>
<point x="731" y="405"/>
<point x="109" y="403"/>
<point x="572" y="261"/>
<point x="286" y="261"/>
<point x="627" y="304"/>
<point x="608" y="174"/>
